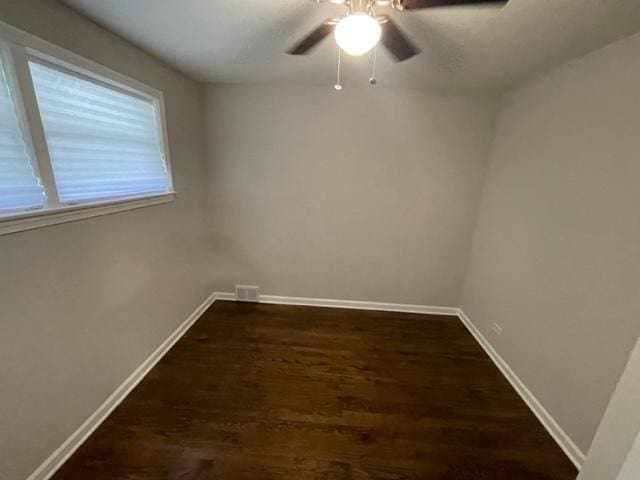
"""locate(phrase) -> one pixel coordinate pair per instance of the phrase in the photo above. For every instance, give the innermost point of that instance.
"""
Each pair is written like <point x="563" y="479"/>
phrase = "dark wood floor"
<point x="276" y="392"/>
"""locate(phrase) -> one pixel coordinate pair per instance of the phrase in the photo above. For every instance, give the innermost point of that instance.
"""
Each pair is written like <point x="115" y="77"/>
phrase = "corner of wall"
<point x="498" y="100"/>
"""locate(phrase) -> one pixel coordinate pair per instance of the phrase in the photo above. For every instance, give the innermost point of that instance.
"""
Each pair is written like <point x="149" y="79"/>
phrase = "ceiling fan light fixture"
<point x="357" y="33"/>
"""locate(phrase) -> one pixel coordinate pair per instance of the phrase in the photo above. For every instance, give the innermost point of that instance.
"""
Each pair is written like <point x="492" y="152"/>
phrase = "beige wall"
<point x="366" y="194"/>
<point x="556" y="252"/>
<point x="631" y="468"/>
<point x="613" y="454"/>
<point x="84" y="303"/>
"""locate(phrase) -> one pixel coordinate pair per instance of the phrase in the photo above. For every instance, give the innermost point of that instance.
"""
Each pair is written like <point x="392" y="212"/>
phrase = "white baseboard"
<point x="225" y="296"/>
<point x="352" y="304"/>
<point x="77" y="438"/>
<point x="555" y="430"/>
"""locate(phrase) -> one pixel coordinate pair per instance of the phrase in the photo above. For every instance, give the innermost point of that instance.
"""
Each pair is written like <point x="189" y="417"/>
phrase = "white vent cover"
<point x="247" y="293"/>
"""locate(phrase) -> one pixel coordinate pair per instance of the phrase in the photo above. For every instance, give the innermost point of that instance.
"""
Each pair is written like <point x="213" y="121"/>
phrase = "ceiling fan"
<point x="361" y="28"/>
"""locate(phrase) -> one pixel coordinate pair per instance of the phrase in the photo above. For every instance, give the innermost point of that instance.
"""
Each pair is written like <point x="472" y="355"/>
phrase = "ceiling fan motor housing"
<point x="363" y="5"/>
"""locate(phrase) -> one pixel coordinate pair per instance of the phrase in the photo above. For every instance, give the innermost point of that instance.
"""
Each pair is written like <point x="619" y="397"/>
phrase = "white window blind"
<point x="77" y="140"/>
<point x="103" y="142"/>
<point x="20" y="188"/>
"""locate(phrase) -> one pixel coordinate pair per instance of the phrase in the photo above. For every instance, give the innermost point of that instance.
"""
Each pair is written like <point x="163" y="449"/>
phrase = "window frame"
<point x="17" y="49"/>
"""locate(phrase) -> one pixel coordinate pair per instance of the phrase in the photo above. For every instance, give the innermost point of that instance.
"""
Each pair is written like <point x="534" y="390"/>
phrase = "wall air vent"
<point x="247" y="293"/>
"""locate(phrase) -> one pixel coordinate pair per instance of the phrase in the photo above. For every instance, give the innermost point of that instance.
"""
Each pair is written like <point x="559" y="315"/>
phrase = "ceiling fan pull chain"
<point x="338" y="86"/>
<point x="373" y="80"/>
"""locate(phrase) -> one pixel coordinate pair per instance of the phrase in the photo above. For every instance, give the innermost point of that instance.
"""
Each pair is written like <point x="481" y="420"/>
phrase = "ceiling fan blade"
<point x="419" y="4"/>
<point x="396" y="41"/>
<point x="307" y="44"/>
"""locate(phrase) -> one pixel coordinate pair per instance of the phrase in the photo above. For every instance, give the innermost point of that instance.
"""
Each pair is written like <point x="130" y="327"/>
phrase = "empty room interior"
<point x="320" y="239"/>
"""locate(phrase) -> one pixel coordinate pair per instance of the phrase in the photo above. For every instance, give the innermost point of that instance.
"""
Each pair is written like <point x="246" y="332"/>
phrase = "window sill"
<point x="43" y="218"/>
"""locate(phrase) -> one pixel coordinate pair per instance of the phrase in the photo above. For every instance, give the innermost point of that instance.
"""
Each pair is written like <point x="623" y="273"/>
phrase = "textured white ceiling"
<point x="476" y="48"/>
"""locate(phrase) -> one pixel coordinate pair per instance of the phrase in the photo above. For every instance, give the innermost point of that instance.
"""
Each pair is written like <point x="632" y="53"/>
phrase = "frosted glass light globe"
<point x="358" y="33"/>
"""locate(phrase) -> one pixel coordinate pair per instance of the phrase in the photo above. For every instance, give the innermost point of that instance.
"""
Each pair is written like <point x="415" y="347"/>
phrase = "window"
<point x="102" y="143"/>
<point x="76" y="139"/>
<point x="20" y="187"/>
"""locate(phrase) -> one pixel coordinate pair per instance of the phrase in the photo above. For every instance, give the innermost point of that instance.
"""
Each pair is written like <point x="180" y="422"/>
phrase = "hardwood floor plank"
<point x="287" y="392"/>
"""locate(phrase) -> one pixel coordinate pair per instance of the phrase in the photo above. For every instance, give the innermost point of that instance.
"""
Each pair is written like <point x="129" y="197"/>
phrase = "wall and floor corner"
<point x="367" y="194"/>
<point x="555" y="255"/>
<point x="79" y="301"/>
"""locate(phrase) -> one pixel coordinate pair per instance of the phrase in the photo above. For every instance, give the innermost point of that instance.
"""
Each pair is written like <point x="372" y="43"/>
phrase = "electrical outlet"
<point x="497" y="328"/>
